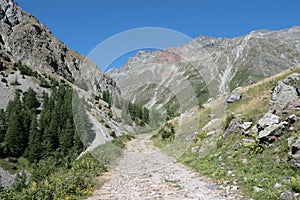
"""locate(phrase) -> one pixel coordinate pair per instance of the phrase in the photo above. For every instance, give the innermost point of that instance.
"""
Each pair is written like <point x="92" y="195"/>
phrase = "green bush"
<point x="295" y="183"/>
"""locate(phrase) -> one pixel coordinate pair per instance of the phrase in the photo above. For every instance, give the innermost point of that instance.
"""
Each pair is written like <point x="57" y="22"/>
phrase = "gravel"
<point x="144" y="172"/>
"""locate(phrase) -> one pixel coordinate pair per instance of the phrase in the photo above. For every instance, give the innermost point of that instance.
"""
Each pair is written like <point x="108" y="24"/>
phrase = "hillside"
<point x="253" y="146"/>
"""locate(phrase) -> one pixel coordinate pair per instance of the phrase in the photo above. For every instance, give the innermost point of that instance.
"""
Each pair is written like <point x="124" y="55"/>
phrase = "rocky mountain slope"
<point x="211" y="66"/>
<point x="24" y="38"/>
<point x="32" y="57"/>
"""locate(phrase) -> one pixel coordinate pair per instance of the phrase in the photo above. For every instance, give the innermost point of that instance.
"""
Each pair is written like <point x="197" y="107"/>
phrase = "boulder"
<point x="267" y="120"/>
<point x="295" y="161"/>
<point x="233" y="98"/>
<point x="246" y="125"/>
<point x="292" y="118"/>
<point x="272" y="130"/>
<point x="296" y="146"/>
<point x="232" y="127"/>
<point x="282" y="96"/>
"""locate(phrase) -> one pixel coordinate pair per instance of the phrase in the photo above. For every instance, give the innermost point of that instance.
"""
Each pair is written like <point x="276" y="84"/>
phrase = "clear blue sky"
<point x="84" y="24"/>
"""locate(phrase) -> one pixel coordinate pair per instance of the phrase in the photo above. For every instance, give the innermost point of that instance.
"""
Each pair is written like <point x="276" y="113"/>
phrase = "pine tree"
<point x="146" y="115"/>
<point x="3" y="125"/>
<point x="33" y="151"/>
<point x="66" y="137"/>
<point x="30" y="101"/>
<point x="14" y="138"/>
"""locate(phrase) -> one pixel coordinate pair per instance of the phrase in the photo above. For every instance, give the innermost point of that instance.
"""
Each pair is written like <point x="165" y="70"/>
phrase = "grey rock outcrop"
<point x="282" y="96"/>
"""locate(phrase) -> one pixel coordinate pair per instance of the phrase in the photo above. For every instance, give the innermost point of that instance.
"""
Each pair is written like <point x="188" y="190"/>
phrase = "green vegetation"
<point x="165" y="135"/>
<point x="107" y="97"/>
<point x="24" y="70"/>
<point x="136" y="113"/>
<point x="58" y="179"/>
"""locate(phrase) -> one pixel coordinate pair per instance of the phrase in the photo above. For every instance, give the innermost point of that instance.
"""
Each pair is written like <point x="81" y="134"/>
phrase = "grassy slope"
<point x="230" y="160"/>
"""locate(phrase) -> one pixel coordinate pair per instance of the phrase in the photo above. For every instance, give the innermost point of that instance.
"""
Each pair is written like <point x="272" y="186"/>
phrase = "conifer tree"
<point x="66" y="137"/>
<point x="33" y="151"/>
<point x="30" y="101"/>
<point x="3" y="125"/>
<point x="14" y="138"/>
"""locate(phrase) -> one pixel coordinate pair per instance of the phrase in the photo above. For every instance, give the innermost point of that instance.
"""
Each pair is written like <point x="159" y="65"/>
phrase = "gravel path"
<point x="144" y="172"/>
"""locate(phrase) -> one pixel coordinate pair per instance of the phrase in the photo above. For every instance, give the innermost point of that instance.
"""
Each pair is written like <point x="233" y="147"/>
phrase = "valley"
<point x="215" y="118"/>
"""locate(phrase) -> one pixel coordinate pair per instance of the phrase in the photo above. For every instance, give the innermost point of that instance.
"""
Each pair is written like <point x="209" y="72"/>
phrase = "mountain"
<point x="209" y="66"/>
<point x="24" y="38"/>
<point x="32" y="57"/>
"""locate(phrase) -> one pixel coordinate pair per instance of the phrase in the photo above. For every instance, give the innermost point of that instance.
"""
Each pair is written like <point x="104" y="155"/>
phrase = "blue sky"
<point x="82" y="25"/>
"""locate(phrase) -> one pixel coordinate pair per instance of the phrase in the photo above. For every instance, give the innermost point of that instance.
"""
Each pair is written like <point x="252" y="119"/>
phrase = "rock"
<point x="296" y="146"/>
<point x="257" y="189"/>
<point x="292" y="118"/>
<point x="246" y="125"/>
<point x="272" y="130"/>
<point x="286" y="179"/>
<point x="282" y="96"/>
<point x="232" y="127"/>
<point x="292" y="79"/>
<point x="295" y="161"/>
<point x="277" y="185"/>
<point x="287" y="195"/>
<point x="298" y="89"/>
<point x="254" y="129"/>
<point x="7" y="179"/>
<point x="246" y="141"/>
<point x="294" y="105"/>
<point x="267" y="120"/>
<point x="233" y="98"/>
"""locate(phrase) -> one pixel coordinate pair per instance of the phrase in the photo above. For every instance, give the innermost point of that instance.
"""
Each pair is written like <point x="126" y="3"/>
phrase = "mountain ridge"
<point x="222" y="63"/>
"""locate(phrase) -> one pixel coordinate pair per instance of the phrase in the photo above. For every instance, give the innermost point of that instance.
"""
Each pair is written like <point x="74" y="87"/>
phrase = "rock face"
<point x="212" y="66"/>
<point x="23" y="38"/>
